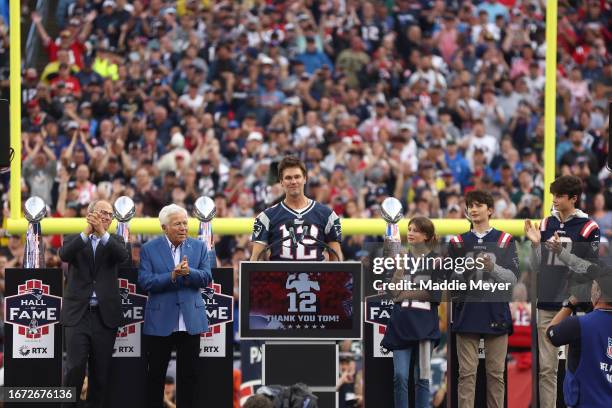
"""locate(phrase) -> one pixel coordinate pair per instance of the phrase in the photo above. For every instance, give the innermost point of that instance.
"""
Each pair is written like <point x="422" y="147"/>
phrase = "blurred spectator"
<point x="13" y="252"/>
<point x="345" y="385"/>
<point x="169" y="393"/>
<point x="258" y="401"/>
<point x="602" y="215"/>
<point x="177" y="159"/>
<point x="39" y="167"/>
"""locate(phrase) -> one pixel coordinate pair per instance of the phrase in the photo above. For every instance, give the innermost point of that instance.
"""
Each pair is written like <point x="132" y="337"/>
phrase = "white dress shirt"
<point x="176" y="255"/>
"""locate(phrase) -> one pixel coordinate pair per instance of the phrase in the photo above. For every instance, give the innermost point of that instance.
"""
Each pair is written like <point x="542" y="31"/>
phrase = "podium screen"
<point x="317" y="300"/>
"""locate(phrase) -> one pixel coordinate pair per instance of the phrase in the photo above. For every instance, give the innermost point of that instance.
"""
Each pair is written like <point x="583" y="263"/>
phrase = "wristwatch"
<point x="569" y="305"/>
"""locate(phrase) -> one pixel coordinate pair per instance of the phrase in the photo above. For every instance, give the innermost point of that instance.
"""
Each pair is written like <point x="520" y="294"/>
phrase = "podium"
<point x="299" y="310"/>
<point x="33" y="338"/>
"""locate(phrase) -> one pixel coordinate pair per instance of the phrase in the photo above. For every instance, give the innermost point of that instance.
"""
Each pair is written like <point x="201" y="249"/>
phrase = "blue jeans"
<point x="401" y="367"/>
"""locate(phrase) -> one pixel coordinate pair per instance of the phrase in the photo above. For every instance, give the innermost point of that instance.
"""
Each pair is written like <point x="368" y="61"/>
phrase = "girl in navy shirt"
<point x="413" y="326"/>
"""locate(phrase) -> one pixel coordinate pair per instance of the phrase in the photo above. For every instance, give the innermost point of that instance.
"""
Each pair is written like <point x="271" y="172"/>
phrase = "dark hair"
<point x="570" y="185"/>
<point x="425" y="226"/>
<point x="289" y="162"/>
<point x="258" y="401"/>
<point x="479" y="196"/>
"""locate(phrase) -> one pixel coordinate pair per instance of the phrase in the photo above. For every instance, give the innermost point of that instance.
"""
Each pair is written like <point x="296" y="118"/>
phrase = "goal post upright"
<point x="15" y="108"/>
<point x="550" y="100"/>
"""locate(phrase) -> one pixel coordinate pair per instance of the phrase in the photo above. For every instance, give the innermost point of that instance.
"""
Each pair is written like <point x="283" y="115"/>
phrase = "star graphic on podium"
<point x="314" y="326"/>
<point x="305" y="326"/>
<point x="297" y="326"/>
<point x="289" y="326"/>
<point x="322" y="326"/>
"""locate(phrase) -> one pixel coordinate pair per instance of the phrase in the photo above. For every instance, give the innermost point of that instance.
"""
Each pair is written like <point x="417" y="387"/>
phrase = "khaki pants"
<point x="495" y="357"/>
<point x="548" y="360"/>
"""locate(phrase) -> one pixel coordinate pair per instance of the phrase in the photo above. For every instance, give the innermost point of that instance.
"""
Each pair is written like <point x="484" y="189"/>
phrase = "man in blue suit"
<point x="173" y="269"/>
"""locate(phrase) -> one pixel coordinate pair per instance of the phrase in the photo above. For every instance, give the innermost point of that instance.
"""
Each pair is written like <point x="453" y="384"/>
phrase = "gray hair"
<point x="92" y="205"/>
<point x="170" y="210"/>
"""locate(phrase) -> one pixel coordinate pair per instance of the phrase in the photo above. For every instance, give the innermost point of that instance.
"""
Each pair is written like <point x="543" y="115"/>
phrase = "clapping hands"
<point x="532" y="231"/>
<point x="94" y="225"/>
<point x="554" y="244"/>
<point x="181" y="269"/>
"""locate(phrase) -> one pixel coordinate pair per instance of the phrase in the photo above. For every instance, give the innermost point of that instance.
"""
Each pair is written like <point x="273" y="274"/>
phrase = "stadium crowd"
<point x="165" y="101"/>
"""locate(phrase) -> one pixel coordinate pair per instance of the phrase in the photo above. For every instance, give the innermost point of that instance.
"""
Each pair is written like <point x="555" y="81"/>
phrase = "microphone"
<point x="306" y="231"/>
<point x="290" y="226"/>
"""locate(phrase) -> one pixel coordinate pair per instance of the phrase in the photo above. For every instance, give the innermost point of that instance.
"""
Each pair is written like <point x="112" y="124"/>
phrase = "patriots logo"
<point x="37" y="293"/>
<point x="595" y="246"/>
<point x="609" y="351"/>
<point x="125" y="293"/>
<point x="208" y="292"/>
<point x="257" y="229"/>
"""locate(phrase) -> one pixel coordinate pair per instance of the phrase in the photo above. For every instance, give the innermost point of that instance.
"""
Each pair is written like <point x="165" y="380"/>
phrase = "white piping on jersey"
<point x="505" y="239"/>
<point x="330" y="221"/>
<point x="263" y="218"/>
<point x="301" y="211"/>
<point x="588" y="227"/>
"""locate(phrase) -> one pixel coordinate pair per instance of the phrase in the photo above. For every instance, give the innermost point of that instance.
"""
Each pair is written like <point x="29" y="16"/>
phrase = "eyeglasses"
<point x="107" y="214"/>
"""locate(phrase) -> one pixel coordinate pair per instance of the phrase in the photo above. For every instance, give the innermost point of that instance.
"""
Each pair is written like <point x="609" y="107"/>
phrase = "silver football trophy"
<point x="124" y="210"/>
<point x="204" y="210"/>
<point x="34" y="254"/>
<point x="391" y="211"/>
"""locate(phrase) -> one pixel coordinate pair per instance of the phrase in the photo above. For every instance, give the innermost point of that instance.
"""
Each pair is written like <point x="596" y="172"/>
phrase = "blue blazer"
<point x="166" y="298"/>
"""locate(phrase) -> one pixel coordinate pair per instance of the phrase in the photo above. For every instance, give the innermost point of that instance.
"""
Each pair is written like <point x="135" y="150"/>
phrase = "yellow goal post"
<point x="16" y="224"/>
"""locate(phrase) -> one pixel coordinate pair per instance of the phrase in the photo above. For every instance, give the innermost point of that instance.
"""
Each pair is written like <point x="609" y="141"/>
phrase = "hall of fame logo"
<point x="132" y="307"/>
<point x="378" y="309"/>
<point x="33" y="312"/>
<point x="219" y="311"/>
<point x="127" y="340"/>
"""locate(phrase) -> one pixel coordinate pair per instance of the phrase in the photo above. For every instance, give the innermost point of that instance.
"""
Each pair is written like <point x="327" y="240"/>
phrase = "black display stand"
<point x="317" y="362"/>
<point x="32" y="311"/>
<point x="298" y="347"/>
<point x="128" y="373"/>
<point x="215" y="387"/>
<point x="378" y="370"/>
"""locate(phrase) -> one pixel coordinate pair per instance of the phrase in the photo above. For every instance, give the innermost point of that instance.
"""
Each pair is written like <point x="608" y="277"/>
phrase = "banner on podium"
<point x="220" y="311"/>
<point x="378" y="312"/>
<point x="33" y="312"/>
<point x="300" y="301"/>
<point x="127" y="342"/>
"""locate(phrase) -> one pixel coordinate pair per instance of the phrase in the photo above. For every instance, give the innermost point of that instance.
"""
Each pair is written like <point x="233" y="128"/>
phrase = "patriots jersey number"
<point x="307" y="302"/>
<point x="300" y="252"/>
<point x="370" y="33"/>
<point x="553" y="259"/>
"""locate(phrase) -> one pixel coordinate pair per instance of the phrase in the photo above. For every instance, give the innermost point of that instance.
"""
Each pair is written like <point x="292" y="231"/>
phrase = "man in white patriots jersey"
<point x="294" y="216"/>
<point x="556" y="283"/>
